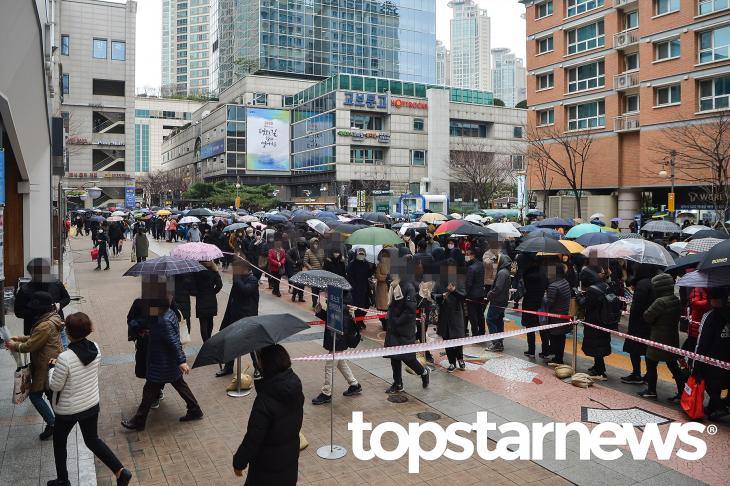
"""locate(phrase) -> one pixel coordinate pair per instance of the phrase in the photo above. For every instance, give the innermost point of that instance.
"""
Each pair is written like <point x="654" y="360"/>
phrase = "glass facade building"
<point x="384" y="38"/>
<point x="141" y="148"/>
<point x="185" y="48"/>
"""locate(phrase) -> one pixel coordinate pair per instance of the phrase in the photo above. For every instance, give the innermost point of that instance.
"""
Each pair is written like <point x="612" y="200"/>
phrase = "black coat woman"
<point x="535" y="283"/>
<point x="207" y="284"/>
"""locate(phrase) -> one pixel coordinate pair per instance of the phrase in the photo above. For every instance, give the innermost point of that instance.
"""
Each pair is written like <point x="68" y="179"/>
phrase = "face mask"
<point x="450" y="246"/>
<point x="468" y="258"/>
<point x="336" y="255"/>
<point x="406" y="239"/>
<point x="361" y="257"/>
<point x="249" y="233"/>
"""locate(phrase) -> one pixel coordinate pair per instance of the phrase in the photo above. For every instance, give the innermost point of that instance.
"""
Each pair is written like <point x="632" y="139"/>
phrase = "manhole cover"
<point x="397" y="398"/>
<point x="428" y="416"/>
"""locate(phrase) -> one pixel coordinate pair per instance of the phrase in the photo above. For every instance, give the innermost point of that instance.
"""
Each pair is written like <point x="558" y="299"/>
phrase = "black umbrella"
<point x="709" y="234"/>
<point x="685" y="262"/>
<point x="345" y="228"/>
<point x="165" y="265"/>
<point x="276" y="219"/>
<point x="469" y="229"/>
<point x="717" y="257"/>
<point x="542" y="244"/>
<point x="247" y="335"/>
<point x="360" y="221"/>
<point x="302" y="216"/>
<point x="98" y="219"/>
<point x="319" y="279"/>
<point x="381" y="218"/>
<point x="198" y="212"/>
<point x="554" y="223"/>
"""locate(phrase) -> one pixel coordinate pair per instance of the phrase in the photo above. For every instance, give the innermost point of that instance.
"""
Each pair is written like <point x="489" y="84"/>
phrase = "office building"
<point x="317" y="39"/>
<point x="471" y="64"/>
<point x="629" y="74"/>
<point x="154" y="120"/>
<point x="320" y="143"/>
<point x="508" y="77"/>
<point x="97" y="52"/>
<point x="185" y="47"/>
<point x="443" y="64"/>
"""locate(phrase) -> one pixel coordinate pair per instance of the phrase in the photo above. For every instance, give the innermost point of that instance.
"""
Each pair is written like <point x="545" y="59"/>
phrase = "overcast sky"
<point x="508" y="30"/>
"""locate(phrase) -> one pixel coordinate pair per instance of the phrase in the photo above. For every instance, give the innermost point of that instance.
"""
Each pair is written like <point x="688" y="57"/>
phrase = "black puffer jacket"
<point x="596" y="343"/>
<point x="714" y="342"/>
<point x="207" y="284"/>
<point x="557" y="301"/>
<point x="643" y="297"/>
<point x="270" y="448"/>
<point x="535" y="282"/>
<point x="402" y="319"/>
<point x="663" y="317"/>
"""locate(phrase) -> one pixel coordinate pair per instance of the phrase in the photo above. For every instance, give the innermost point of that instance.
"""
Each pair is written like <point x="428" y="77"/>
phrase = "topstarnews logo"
<point x="525" y="441"/>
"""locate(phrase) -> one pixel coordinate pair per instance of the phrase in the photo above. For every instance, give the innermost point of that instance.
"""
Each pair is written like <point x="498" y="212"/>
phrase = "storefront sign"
<point x="95" y="175"/>
<point x="670" y="201"/>
<point x="366" y="100"/>
<point x="130" y="197"/>
<point x="77" y="141"/>
<point x="379" y="136"/>
<point x="110" y="142"/>
<point x="399" y="103"/>
<point x="697" y="199"/>
<point x="212" y="148"/>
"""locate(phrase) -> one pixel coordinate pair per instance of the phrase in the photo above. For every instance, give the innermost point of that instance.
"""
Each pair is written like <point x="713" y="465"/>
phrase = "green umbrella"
<point x="373" y="236"/>
<point x="582" y="229"/>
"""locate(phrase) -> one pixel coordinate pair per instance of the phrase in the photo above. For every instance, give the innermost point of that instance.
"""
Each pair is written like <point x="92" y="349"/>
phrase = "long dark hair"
<point x="273" y="360"/>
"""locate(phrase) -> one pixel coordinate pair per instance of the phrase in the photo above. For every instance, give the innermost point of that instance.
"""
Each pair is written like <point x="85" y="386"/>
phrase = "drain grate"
<point x="428" y="416"/>
<point x="397" y="398"/>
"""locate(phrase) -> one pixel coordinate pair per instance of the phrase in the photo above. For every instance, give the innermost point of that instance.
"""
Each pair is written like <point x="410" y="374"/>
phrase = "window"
<point x="587" y="76"/>
<point x="715" y="93"/>
<point x="631" y="104"/>
<point x="631" y="20"/>
<point x="99" y="48"/>
<point x="545" y="81"/>
<point x="666" y="6"/>
<point x="65" y="83"/>
<point x="365" y="121"/>
<point x="418" y="124"/>
<point x="260" y="99"/>
<point x="665" y="50"/>
<point x="119" y="51"/>
<point x="708" y="6"/>
<point x="365" y="155"/>
<point x="65" y="45"/>
<point x="631" y="61"/>
<point x="517" y="132"/>
<point x="544" y="9"/>
<point x="545" y="117"/>
<point x="418" y="157"/>
<point x="576" y="7"/>
<point x="463" y="128"/>
<point x="587" y="37"/>
<point x="668" y="95"/>
<point x="587" y="115"/>
<point x="715" y="45"/>
<point x="545" y="45"/>
<point x="107" y="87"/>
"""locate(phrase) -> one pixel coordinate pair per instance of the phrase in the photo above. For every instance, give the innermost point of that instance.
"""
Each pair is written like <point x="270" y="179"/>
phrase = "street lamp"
<point x="93" y="192"/>
<point x="671" y="161"/>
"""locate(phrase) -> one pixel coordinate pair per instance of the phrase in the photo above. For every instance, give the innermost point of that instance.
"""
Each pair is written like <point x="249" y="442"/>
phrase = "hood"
<point x="643" y="271"/>
<point x="503" y="261"/>
<point x="313" y="241"/>
<point x="285" y="387"/>
<point x="53" y="318"/>
<point x="85" y="350"/>
<point x="588" y="277"/>
<point x="438" y="254"/>
<point x="663" y="285"/>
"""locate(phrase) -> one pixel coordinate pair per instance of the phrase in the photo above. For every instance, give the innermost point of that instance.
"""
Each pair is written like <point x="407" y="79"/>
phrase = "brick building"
<point x="628" y="72"/>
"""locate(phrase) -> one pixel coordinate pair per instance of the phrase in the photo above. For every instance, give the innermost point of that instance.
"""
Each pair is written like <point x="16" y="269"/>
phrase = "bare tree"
<point x="155" y="185"/>
<point x="564" y="154"/>
<point x="483" y="174"/>
<point x="539" y="168"/>
<point x="700" y="153"/>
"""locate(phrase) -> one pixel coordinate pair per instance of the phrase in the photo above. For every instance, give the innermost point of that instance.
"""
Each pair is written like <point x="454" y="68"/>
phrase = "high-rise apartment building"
<point x="443" y="64"/>
<point x="185" y="47"/>
<point x="629" y="74"/>
<point x="96" y="42"/>
<point x="508" y="77"/>
<point x="471" y="65"/>
<point x="317" y="39"/>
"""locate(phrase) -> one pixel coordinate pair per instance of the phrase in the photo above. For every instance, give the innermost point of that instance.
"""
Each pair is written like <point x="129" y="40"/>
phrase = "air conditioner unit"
<point x="622" y="82"/>
<point x="632" y="124"/>
<point x="621" y="39"/>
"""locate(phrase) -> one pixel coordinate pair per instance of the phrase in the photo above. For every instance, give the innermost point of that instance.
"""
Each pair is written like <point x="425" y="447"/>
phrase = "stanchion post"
<point x="575" y="345"/>
<point x="237" y="393"/>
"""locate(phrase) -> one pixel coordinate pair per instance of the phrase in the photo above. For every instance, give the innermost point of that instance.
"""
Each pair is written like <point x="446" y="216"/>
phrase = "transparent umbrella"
<point x="640" y="251"/>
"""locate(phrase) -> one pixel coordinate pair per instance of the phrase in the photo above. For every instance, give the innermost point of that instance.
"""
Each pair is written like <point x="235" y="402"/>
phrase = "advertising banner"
<point x="213" y="148"/>
<point x="267" y="133"/>
<point x="130" y="199"/>
<point x="521" y="192"/>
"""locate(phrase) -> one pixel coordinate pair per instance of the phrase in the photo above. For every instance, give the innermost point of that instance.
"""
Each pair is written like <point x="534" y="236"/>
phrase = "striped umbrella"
<point x="202" y="252"/>
<point x="661" y="226"/>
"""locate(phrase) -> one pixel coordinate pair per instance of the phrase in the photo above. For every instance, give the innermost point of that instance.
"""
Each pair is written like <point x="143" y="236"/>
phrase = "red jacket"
<point x="698" y="306"/>
<point x="277" y="259"/>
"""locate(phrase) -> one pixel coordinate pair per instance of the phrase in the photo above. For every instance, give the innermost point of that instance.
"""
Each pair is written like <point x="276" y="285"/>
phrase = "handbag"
<point x="94" y="253"/>
<point x="184" y="333"/>
<point x="21" y="382"/>
<point x="693" y="397"/>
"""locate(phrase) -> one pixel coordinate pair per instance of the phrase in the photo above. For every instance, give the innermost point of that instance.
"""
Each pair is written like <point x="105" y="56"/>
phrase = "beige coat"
<point x="381" y="283"/>
<point x="43" y="344"/>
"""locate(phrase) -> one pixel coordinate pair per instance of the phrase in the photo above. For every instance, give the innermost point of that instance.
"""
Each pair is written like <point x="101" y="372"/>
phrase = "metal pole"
<point x="61" y="227"/>
<point x="575" y="345"/>
<point x="672" y="164"/>
<point x="332" y="389"/>
<point x="237" y="393"/>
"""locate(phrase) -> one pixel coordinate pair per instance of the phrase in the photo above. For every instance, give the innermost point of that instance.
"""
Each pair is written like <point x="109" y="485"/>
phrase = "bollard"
<point x="575" y="345"/>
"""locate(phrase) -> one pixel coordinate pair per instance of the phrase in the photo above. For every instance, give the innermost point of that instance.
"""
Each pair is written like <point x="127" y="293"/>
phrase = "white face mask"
<point x="361" y="257"/>
<point x="450" y="246"/>
<point x="468" y="258"/>
<point x="406" y="238"/>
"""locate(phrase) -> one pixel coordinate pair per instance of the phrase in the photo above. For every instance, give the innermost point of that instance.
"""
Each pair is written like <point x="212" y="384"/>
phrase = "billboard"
<point x="130" y="197"/>
<point x="214" y="148"/>
<point x="267" y="139"/>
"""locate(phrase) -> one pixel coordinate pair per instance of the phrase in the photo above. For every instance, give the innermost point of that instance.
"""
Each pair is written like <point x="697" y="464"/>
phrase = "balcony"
<point x="626" y="81"/>
<point x="626" y="123"/>
<point x="624" y="3"/>
<point x="626" y="38"/>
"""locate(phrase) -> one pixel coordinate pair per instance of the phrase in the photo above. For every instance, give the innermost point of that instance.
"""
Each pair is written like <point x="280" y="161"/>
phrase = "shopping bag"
<point x="693" y="397"/>
<point x="184" y="333"/>
<point x="72" y="232"/>
<point x="94" y="253"/>
<point x="21" y="384"/>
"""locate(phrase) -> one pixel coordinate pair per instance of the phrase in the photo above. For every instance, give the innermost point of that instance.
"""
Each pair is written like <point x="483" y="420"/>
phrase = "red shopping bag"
<point x="693" y="397"/>
<point x="94" y="254"/>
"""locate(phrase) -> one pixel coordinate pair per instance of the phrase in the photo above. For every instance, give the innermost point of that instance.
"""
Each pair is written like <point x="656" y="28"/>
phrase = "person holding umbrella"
<point x="535" y="282"/>
<point x="359" y="271"/>
<point x="475" y="292"/>
<point x="206" y="284"/>
<point x="498" y="297"/>
<point x="714" y="342"/>
<point x="295" y="263"/>
<point x="102" y="242"/>
<point x="141" y="245"/>
<point x="193" y="235"/>
<point x="449" y="294"/>
<point x="643" y="298"/>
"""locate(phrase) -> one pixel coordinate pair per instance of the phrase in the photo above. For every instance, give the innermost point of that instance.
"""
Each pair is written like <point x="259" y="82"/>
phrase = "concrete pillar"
<point x="629" y="204"/>
<point x="438" y="140"/>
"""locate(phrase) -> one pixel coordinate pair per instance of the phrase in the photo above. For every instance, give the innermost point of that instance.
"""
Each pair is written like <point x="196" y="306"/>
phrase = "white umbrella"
<point x="406" y="226"/>
<point x="318" y="226"/>
<point x="344" y="219"/>
<point x="455" y="215"/>
<point x="640" y="251"/>
<point x="113" y="219"/>
<point x="122" y="213"/>
<point x="699" y="246"/>
<point x="678" y="246"/>
<point x="188" y="220"/>
<point x="705" y="279"/>
<point x="690" y="230"/>
<point x="505" y="230"/>
<point x="474" y="218"/>
<point x="597" y="216"/>
<point x="247" y="219"/>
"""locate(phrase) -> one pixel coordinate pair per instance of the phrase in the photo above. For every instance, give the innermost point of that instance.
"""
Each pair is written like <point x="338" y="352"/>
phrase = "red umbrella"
<point x="450" y="227"/>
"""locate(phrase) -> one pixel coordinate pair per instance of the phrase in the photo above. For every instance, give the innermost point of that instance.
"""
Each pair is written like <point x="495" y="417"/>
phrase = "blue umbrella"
<point x="545" y="232"/>
<point x="276" y="219"/>
<point x="535" y="212"/>
<point x="528" y="228"/>
<point x="325" y="215"/>
<point x="554" y="223"/>
<point x="592" y="239"/>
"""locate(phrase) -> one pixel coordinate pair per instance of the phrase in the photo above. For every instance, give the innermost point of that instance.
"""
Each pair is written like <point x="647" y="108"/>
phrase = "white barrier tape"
<point x="664" y="347"/>
<point x="420" y="347"/>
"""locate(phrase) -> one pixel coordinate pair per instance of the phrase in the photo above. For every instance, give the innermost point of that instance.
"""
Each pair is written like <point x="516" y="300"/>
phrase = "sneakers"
<point x="156" y="403"/>
<point x="190" y="416"/>
<point x="495" y="347"/>
<point x="530" y="354"/>
<point x="223" y="372"/>
<point x="462" y="365"/>
<point x="47" y="433"/>
<point x="124" y="478"/>
<point x="598" y="376"/>
<point x="647" y="394"/>
<point x="545" y="356"/>
<point x="425" y="378"/>
<point x="353" y="390"/>
<point x="256" y="375"/>
<point x="632" y="379"/>
<point x="58" y="482"/>
<point x="553" y="364"/>
<point x="395" y="388"/>
<point x="321" y="399"/>
<point x="451" y="368"/>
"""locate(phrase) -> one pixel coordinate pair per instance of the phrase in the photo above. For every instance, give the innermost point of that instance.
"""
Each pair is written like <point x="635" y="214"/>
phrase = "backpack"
<point x="610" y="311"/>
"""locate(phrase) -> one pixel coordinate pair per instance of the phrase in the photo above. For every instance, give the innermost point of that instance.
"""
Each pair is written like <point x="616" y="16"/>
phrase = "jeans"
<point x="475" y="310"/>
<point x="64" y="338"/>
<point x="88" y="428"/>
<point x="206" y="327"/>
<point x="344" y="368"/>
<point x="495" y="321"/>
<point x="43" y="408"/>
<point x="151" y="392"/>
<point x="396" y="365"/>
